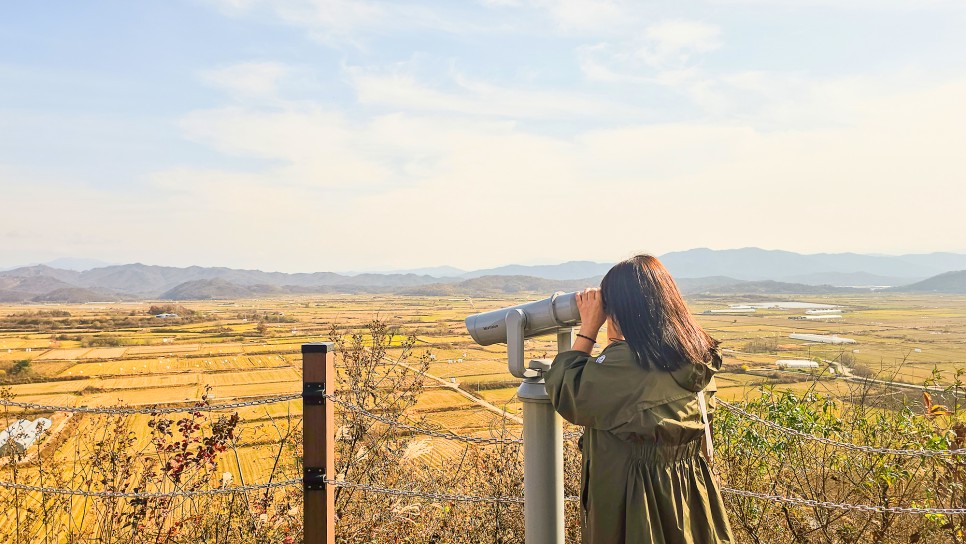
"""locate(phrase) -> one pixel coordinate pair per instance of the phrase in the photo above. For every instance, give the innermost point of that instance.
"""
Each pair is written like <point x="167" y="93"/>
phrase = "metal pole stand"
<point x="543" y="489"/>
<point x="543" y="507"/>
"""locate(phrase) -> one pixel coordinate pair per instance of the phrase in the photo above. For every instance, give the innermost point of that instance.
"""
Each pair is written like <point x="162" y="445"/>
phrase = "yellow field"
<point x="900" y="338"/>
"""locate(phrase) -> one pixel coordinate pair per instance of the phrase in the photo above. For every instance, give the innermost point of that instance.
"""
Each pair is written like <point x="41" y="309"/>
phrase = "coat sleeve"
<point x="584" y="392"/>
<point x="563" y="385"/>
<point x="711" y="394"/>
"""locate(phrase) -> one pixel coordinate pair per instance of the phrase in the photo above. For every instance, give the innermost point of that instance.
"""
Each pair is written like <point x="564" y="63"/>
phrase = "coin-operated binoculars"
<point x="542" y="429"/>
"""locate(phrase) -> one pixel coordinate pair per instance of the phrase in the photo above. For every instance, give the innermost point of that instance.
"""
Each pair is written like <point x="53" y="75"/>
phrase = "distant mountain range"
<point x="566" y="271"/>
<point x="750" y="264"/>
<point x="69" y="263"/>
<point x="698" y="271"/>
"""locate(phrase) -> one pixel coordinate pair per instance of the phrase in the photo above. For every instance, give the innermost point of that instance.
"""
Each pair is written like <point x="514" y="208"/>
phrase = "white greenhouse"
<point x="21" y="434"/>
<point x="796" y="363"/>
<point x="821" y="338"/>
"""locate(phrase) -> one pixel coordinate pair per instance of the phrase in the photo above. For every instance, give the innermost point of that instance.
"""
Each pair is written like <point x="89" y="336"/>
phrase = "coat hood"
<point x="695" y="377"/>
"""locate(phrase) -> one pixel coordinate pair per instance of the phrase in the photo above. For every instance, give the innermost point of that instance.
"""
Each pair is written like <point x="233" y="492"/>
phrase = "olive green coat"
<point x="643" y="479"/>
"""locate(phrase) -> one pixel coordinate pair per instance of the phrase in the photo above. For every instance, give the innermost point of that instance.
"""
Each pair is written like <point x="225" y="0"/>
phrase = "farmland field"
<point x="229" y="355"/>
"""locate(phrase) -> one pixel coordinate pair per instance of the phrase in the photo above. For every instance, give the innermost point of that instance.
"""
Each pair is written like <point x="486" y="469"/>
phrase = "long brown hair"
<point x="640" y="295"/>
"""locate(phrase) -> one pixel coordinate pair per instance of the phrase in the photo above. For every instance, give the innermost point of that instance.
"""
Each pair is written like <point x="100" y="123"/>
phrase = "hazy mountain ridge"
<point x="848" y="279"/>
<point x="79" y="295"/>
<point x="760" y="264"/>
<point x="777" y="288"/>
<point x="710" y="284"/>
<point x="217" y="288"/>
<point x="699" y="271"/>
<point x="6" y="295"/>
<point x="565" y="271"/>
<point x="500" y="285"/>
<point x="948" y="283"/>
<point x="152" y="281"/>
<point x="32" y="284"/>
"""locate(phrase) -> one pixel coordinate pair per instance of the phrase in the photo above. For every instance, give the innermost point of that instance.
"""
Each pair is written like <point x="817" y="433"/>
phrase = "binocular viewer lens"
<point x="512" y="325"/>
<point x="541" y="317"/>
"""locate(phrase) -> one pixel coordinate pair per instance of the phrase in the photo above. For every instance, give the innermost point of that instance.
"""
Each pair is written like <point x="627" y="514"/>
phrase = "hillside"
<point x="953" y="283"/>
<point x="7" y="295"/>
<point x="219" y="289"/>
<point x="32" y="284"/>
<point x="79" y="295"/>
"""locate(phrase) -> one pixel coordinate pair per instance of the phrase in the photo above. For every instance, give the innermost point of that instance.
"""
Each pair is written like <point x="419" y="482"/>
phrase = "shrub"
<point x="20" y="367"/>
<point x="760" y="459"/>
<point x="106" y="340"/>
<point x="761" y="345"/>
<point x="178" y="309"/>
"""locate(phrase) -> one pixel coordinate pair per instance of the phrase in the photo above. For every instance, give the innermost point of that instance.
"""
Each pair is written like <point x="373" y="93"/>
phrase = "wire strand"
<point x="837" y="443"/>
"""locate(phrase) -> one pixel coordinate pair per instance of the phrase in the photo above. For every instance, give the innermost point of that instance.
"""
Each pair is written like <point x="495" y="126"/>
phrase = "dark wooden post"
<point x="318" y="442"/>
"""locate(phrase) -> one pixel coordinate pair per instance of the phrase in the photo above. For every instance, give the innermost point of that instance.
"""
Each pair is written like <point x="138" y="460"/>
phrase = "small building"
<point x="819" y="311"/>
<point x="796" y="363"/>
<point x="166" y="316"/>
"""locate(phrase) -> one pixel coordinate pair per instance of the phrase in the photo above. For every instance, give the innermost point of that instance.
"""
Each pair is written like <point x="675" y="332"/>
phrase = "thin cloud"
<point x="401" y="91"/>
<point x="655" y="124"/>
<point x="347" y="22"/>
<point x="875" y="5"/>
<point x="474" y="180"/>
<point x="676" y="42"/>
<point x="670" y="46"/>
<point x="577" y="17"/>
<point x="302" y="143"/>
<point x="248" y="79"/>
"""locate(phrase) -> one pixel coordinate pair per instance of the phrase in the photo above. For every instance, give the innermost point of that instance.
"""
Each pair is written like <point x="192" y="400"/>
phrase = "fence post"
<point x="318" y="443"/>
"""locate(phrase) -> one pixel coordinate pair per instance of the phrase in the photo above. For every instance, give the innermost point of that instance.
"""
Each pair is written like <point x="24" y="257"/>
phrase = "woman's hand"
<point x="591" y="307"/>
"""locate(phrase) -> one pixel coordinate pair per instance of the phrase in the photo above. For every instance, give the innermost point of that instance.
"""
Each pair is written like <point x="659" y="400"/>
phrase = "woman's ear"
<point x="613" y="329"/>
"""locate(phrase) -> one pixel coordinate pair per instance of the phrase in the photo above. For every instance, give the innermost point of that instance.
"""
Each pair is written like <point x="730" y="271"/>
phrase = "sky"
<point x="310" y="135"/>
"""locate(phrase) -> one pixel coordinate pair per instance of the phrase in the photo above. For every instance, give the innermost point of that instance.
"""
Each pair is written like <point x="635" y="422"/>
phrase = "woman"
<point x="644" y="479"/>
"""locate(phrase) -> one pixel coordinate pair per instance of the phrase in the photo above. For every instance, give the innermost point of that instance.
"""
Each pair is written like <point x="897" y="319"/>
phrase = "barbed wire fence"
<point x="435" y="496"/>
<point x="836" y="443"/>
<point x="320" y="479"/>
<point x="150" y="410"/>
